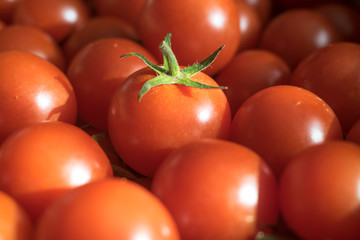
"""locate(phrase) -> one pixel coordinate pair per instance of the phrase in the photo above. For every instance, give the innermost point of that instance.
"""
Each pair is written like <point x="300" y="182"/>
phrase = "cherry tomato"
<point x="34" y="40"/>
<point x="333" y="74"/>
<point x="249" y="72"/>
<point x="295" y="34"/>
<point x="110" y="209"/>
<point x="7" y="9"/>
<point x="264" y="8"/>
<point x="32" y="90"/>
<point x="97" y="70"/>
<point x="353" y="134"/>
<point x="291" y="4"/>
<point x="211" y="188"/>
<point x="15" y="224"/>
<point x="198" y="28"/>
<point x="59" y="18"/>
<point x="280" y="121"/>
<point x="97" y="28"/>
<point x="319" y="192"/>
<point x="42" y="161"/>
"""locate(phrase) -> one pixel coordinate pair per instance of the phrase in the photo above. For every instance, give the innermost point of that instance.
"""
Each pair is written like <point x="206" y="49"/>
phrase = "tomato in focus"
<point x="110" y="209"/>
<point x="40" y="162"/>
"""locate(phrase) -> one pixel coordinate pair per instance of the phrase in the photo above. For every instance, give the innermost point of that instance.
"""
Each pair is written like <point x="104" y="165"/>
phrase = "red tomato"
<point x="332" y="73"/>
<point x="41" y="162"/>
<point x="319" y="192"/>
<point x="15" y="224"/>
<point x="97" y="70"/>
<point x="353" y="134"/>
<point x="109" y="209"/>
<point x="32" y="90"/>
<point x="264" y="8"/>
<point x="250" y="25"/>
<point x="198" y="28"/>
<point x="211" y="188"/>
<point x="168" y="116"/>
<point x="279" y="122"/>
<point x="97" y="28"/>
<point x="33" y="40"/>
<point x="249" y="72"/>
<point x="7" y="9"/>
<point x="294" y="34"/>
<point x="59" y="18"/>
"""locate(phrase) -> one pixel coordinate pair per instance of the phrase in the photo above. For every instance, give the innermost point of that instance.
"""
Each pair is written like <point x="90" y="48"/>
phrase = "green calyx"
<point x="170" y="72"/>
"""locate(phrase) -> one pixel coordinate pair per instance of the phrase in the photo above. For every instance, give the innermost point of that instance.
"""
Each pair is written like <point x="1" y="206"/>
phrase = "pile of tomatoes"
<point x="179" y="119"/>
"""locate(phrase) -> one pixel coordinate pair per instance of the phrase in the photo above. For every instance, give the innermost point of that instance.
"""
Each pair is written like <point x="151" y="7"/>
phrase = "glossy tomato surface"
<point x="32" y="90"/>
<point x="319" y="192"/>
<point x="280" y="121"/>
<point x="333" y="74"/>
<point x="40" y="162"/>
<point x="168" y="116"/>
<point x="264" y="8"/>
<point x="109" y="209"/>
<point x="249" y="72"/>
<point x="37" y="42"/>
<point x="296" y="33"/>
<point x="7" y="9"/>
<point x="59" y="18"/>
<point x="15" y="223"/>
<point x="97" y="70"/>
<point x="192" y="25"/>
<point x="211" y="187"/>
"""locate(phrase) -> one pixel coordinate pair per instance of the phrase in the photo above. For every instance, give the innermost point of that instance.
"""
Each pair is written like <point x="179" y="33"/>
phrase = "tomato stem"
<point x="171" y="73"/>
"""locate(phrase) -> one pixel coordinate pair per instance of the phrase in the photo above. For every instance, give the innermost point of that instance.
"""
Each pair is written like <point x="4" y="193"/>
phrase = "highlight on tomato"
<point x="160" y="108"/>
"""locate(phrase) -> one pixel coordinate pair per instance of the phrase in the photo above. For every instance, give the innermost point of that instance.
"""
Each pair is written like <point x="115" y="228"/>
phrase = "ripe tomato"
<point x="332" y="73"/>
<point x="32" y="90"/>
<point x="319" y="192"/>
<point x="353" y="134"/>
<point x="109" y="209"/>
<point x="249" y="72"/>
<point x="15" y="224"/>
<point x="280" y="121"/>
<point x="211" y="187"/>
<point x="198" y="28"/>
<point x="264" y="8"/>
<point x="40" y="162"/>
<point x="59" y="18"/>
<point x="294" y="34"/>
<point x="7" y="9"/>
<point x="95" y="29"/>
<point x="96" y="72"/>
<point x="38" y="42"/>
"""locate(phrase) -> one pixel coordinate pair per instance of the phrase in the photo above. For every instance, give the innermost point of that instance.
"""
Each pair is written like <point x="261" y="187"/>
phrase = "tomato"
<point x="319" y="192"/>
<point x="198" y="28"/>
<point x="211" y="188"/>
<point x="249" y="72"/>
<point x="333" y="74"/>
<point x="40" y="162"/>
<point x="345" y="18"/>
<point x="294" y="34"/>
<point x="95" y="29"/>
<point x="353" y="134"/>
<point x="250" y="25"/>
<point x="37" y="42"/>
<point x="59" y="18"/>
<point x="96" y="72"/>
<point x="264" y="8"/>
<point x="32" y="90"/>
<point x="107" y="209"/>
<point x="280" y="121"/>
<point x="15" y="224"/>
<point x="128" y="11"/>
<point x="7" y="9"/>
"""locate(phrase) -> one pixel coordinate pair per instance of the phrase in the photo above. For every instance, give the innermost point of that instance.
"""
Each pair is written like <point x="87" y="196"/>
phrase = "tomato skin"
<point x="333" y="74"/>
<point x="97" y="70"/>
<point x="42" y="161"/>
<point x="192" y="24"/>
<point x="37" y="42"/>
<point x="32" y="90"/>
<point x="7" y="9"/>
<point x="15" y="224"/>
<point x="108" y="209"/>
<point x="167" y="117"/>
<point x="319" y="192"/>
<point x="59" y="18"/>
<point x="280" y="121"/>
<point x="295" y="34"/>
<point x="202" y="183"/>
